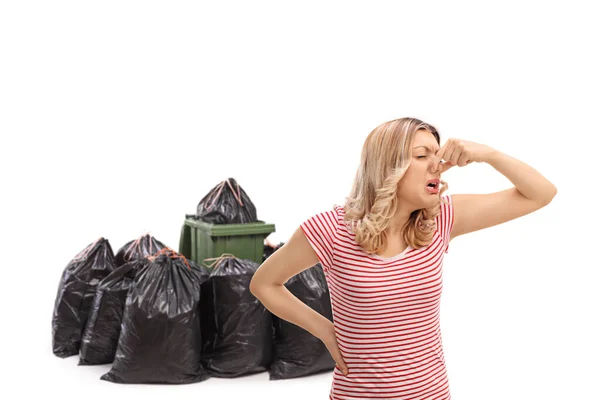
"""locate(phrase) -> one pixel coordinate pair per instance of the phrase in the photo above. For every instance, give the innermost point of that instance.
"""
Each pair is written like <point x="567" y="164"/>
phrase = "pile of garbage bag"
<point x="159" y="317"/>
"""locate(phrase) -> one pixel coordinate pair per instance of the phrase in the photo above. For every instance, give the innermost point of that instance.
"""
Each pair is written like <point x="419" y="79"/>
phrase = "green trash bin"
<point x="200" y="240"/>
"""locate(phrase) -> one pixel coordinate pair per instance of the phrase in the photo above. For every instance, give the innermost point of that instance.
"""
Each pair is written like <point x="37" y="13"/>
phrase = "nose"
<point x="434" y="167"/>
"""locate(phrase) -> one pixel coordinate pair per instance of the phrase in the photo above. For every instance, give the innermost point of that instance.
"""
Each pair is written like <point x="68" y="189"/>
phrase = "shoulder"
<point x="334" y="215"/>
<point x="446" y="207"/>
<point x="447" y="198"/>
<point x="321" y="230"/>
<point x="339" y="212"/>
<point x="445" y="217"/>
<point x="325" y="222"/>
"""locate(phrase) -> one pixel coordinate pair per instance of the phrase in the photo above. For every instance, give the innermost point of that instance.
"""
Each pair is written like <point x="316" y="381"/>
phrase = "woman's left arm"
<point x="529" y="182"/>
<point x="473" y="212"/>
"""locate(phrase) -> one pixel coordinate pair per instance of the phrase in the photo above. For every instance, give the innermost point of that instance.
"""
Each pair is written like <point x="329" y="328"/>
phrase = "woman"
<point x="382" y="254"/>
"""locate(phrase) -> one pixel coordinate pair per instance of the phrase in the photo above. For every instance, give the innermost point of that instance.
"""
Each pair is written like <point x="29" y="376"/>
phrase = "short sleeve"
<point x="445" y="221"/>
<point x="320" y="231"/>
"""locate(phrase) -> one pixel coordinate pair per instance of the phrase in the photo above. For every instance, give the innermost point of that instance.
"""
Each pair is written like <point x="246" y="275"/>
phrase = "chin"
<point x="429" y="200"/>
<point x="434" y="198"/>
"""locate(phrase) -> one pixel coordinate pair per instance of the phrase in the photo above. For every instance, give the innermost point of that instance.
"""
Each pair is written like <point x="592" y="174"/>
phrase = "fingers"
<point x="454" y="153"/>
<point x="339" y="360"/>
<point x="342" y="367"/>
<point x="330" y="342"/>
<point x="441" y="153"/>
<point x="445" y="167"/>
<point x="463" y="159"/>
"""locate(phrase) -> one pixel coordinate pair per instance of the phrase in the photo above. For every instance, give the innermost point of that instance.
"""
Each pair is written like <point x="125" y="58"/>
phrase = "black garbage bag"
<point x="103" y="327"/>
<point x="160" y="340"/>
<point x="297" y="352"/>
<point x="75" y="294"/>
<point x="237" y="329"/>
<point x="226" y="203"/>
<point x="145" y="245"/>
<point x="270" y="248"/>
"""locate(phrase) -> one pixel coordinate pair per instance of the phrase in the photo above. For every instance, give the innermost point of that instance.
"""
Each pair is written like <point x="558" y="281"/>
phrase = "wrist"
<point x="491" y="155"/>
<point x="325" y="328"/>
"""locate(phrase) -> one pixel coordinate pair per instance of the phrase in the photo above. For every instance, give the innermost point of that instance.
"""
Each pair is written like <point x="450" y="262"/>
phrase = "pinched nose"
<point x="436" y="168"/>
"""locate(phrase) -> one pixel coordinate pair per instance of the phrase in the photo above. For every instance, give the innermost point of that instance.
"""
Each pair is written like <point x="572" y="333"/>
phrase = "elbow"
<point x="254" y="286"/>
<point x="551" y="195"/>
<point x="257" y="288"/>
<point x="547" y="196"/>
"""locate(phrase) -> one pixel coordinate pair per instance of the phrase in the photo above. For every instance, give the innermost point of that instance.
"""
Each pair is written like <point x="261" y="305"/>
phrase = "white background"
<point x="117" y="117"/>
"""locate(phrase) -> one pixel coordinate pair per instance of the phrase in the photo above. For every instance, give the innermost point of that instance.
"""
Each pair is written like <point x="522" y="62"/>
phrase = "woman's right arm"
<point x="267" y="285"/>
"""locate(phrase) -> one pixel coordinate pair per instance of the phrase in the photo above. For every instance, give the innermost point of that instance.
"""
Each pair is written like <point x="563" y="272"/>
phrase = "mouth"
<point x="433" y="186"/>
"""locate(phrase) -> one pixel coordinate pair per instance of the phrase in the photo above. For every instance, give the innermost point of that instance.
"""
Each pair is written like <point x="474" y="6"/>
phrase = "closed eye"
<point x="421" y="156"/>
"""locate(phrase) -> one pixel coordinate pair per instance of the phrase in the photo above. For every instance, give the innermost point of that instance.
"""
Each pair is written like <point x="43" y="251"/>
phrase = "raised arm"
<point x="473" y="212"/>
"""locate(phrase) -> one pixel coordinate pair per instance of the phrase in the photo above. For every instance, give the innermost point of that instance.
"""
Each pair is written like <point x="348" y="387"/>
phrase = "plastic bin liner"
<point x="226" y="203"/>
<point x="75" y="294"/>
<point x="160" y="340"/>
<point x="101" y="334"/>
<point x="270" y="248"/>
<point x="143" y="246"/>
<point x="236" y="327"/>
<point x="297" y="352"/>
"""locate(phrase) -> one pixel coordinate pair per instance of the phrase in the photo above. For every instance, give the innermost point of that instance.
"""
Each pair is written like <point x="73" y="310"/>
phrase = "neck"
<point x="401" y="216"/>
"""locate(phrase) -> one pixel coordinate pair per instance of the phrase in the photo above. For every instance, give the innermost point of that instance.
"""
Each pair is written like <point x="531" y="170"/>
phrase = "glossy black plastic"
<point x="297" y="352"/>
<point x="102" y="330"/>
<point x="236" y="327"/>
<point x="145" y="245"/>
<point x="160" y="340"/>
<point x="226" y="203"/>
<point x="76" y="291"/>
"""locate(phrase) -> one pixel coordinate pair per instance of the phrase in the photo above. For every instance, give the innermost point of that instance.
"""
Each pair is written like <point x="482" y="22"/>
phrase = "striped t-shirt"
<point x="385" y="311"/>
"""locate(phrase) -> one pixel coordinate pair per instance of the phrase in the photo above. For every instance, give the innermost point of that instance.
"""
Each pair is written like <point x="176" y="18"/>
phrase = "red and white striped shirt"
<point x="385" y="311"/>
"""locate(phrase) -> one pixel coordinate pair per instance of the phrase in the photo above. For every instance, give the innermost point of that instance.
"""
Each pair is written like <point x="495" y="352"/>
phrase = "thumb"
<point x="342" y="366"/>
<point x="445" y="166"/>
<point x="339" y="361"/>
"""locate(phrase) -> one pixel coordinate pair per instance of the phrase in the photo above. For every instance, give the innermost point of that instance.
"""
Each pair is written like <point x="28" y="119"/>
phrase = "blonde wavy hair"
<point x="373" y="200"/>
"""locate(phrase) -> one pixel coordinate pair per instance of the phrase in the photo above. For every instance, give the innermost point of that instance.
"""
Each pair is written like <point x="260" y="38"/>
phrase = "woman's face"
<point x="412" y="188"/>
